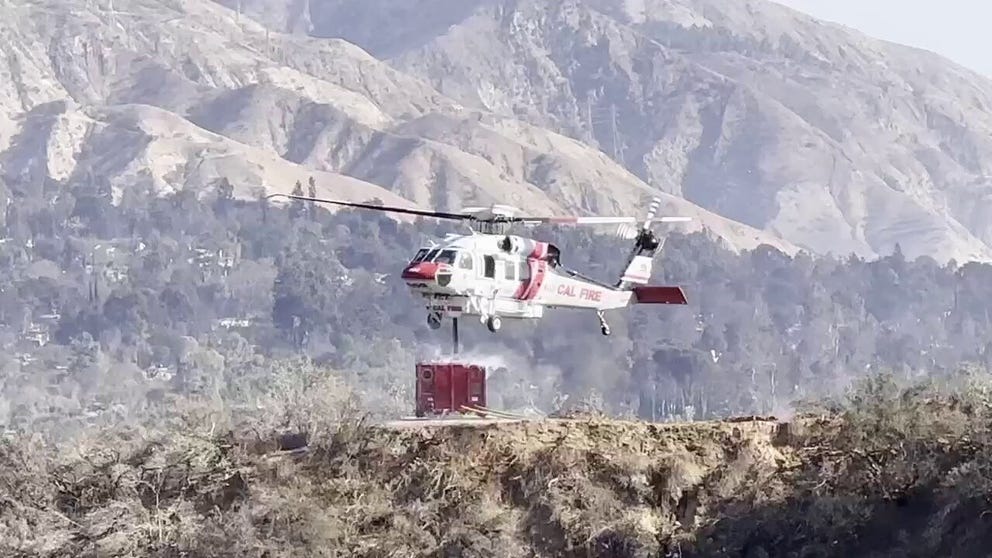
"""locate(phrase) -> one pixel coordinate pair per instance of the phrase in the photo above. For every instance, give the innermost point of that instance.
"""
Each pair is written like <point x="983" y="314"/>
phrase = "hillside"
<point x="165" y="96"/>
<point x="766" y="125"/>
<point x="832" y="484"/>
<point x="830" y="139"/>
<point x="105" y="308"/>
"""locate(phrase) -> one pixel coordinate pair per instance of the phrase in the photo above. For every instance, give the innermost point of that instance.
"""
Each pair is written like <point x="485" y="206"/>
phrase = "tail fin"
<point x="659" y="295"/>
<point x="638" y="271"/>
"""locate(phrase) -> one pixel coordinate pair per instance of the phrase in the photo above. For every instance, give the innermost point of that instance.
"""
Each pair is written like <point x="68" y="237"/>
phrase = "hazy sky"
<point x="958" y="29"/>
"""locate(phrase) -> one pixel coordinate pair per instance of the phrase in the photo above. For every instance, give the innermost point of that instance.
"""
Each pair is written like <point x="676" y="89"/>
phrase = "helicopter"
<point x="491" y="274"/>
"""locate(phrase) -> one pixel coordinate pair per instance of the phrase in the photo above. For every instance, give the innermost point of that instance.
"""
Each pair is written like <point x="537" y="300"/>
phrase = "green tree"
<point x="297" y="207"/>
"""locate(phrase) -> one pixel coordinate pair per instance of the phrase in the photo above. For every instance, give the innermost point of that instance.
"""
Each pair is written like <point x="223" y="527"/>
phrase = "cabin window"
<point x="490" y="267"/>
<point x="509" y="271"/>
<point x="431" y="255"/>
<point x="445" y="257"/>
<point x="465" y="261"/>
<point x="523" y="271"/>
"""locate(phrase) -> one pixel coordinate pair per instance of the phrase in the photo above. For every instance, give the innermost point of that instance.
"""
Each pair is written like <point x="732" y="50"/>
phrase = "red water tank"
<point x="447" y="387"/>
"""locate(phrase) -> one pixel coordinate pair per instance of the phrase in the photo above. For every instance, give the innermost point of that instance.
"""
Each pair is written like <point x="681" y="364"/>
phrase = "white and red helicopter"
<point x="493" y="275"/>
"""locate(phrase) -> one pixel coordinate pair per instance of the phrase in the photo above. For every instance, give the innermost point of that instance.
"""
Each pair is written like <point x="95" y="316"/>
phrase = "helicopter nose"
<point x="424" y="271"/>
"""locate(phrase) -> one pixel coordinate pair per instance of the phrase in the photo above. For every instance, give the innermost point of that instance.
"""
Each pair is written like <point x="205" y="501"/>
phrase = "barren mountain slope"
<point x="81" y="89"/>
<point x="139" y="146"/>
<point x="833" y="140"/>
<point x="266" y="109"/>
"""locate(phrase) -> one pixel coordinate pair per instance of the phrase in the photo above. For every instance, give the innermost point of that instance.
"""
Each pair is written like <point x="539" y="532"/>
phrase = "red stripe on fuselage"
<point x="528" y="289"/>
<point x="537" y="270"/>
<point x="524" y="286"/>
<point x="540" y="251"/>
<point x="537" y="266"/>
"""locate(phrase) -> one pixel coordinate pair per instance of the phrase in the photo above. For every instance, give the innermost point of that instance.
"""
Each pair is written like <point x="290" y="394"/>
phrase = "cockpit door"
<point x="466" y="263"/>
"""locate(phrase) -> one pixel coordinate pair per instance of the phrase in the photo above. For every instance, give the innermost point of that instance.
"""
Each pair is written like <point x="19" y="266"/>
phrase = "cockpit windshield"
<point x="425" y="255"/>
<point x="436" y="255"/>
<point x="445" y="257"/>
<point x="421" y="254"/>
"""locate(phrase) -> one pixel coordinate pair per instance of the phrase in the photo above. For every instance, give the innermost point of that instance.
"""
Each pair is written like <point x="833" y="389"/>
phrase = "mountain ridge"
<point x="227" y="98"/>
<point x="890" y="138"/>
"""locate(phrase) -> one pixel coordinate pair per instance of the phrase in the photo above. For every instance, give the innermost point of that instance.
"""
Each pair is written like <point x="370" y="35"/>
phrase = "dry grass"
<point x="360" y="490"/>
<point x="892" y="472"/>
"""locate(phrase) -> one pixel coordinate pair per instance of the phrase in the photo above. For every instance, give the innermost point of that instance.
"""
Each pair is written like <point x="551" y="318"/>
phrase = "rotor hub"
<point x="493" y="214"/>
<point x="647" y="241"/>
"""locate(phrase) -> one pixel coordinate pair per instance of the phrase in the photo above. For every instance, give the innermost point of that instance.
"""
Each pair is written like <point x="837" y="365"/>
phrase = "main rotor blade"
<point x="575" y="220"/>
<point x="387" y="208"/>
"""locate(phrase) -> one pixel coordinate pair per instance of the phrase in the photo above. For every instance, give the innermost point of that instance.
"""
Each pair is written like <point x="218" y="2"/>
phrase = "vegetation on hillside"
<point x="159" y="351"/>
<point x="110" y="307"/>
<point x="887" y="471"/>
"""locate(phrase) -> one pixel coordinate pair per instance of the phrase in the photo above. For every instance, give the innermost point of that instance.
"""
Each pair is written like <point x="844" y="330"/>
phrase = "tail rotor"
<point x="627" y="232"/>
<point x="652" y="211"/>
<point x="646" y="244"/>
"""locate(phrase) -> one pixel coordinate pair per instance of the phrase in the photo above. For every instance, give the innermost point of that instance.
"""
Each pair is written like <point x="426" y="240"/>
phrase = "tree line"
<point x="127" y="300"/>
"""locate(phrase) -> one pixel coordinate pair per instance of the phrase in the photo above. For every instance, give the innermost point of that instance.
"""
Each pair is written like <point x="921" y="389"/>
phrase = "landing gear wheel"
<point x="434" y="320"/>
<point x="603" y="326"/>
<point x="494" y="323"/>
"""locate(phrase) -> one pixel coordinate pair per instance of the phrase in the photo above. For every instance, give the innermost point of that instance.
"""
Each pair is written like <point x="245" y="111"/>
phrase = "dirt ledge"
<point x="882" y="483"/>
